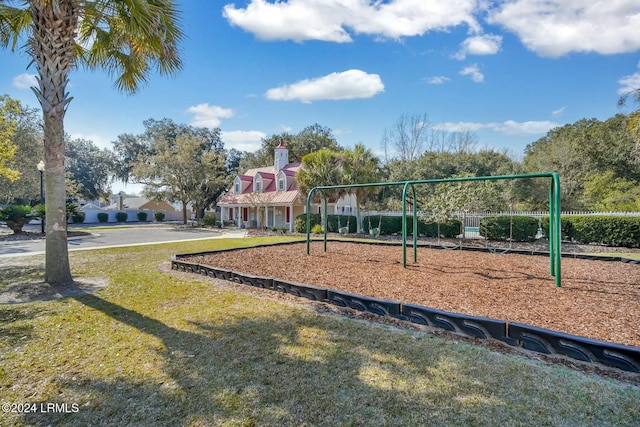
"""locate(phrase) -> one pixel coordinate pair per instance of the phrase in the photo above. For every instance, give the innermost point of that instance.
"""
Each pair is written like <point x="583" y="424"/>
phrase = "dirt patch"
<point x="40" y="291"/>
<point x="599" y="300"/>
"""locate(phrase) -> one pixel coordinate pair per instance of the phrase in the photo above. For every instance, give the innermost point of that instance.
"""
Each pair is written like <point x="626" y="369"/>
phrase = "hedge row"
<point x="393" y="225"/>
<point x="602" y="230"/>
<point x="387" y="225"/>
<point x="334" y="223"/>
<point x="524" y="228"/>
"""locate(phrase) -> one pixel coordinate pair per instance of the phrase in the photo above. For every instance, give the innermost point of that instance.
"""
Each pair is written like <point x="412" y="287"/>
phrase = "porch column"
<point x="291" y="218"/>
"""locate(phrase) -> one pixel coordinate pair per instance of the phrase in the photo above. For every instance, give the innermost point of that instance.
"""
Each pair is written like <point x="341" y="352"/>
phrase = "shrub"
<point x="209" y="219"/>
<point x="449" y="229"/>
<point x="159" y="216"/>
<point x="317" y="229"/>
<point x="566" y="227"/>
<point x="500" y="228"/>
<point x="142" y="216"/>
<point x="283" y="230"/>
<point x="393" y="225"/>
<point x="16" y="216"/>
<point x="78" y="217"/>
<point x="103" y="217"/>
<point x="599" y="229"/>
<point x="121" y="216"/>
<point x="300" y="223"/>
<point x="38" y="211"/>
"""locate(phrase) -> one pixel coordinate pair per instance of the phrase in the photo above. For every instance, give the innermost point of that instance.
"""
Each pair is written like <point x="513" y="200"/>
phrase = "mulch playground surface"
<point x="598" y="299"/>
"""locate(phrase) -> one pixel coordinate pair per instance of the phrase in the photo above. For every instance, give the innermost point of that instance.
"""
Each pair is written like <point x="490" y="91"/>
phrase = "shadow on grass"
<point x="297" y="369"/>
<point x="20" y="273"/>
<point x="14" y="326"/>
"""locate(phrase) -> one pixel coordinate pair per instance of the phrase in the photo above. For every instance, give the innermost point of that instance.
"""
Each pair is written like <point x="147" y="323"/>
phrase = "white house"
<point x="269" y="196"/>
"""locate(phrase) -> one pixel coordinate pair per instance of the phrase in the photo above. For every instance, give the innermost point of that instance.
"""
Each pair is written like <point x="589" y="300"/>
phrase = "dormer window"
<point x="258" y="188"/>
<point x="236" y="188"/>
<point x="281" y="182"/>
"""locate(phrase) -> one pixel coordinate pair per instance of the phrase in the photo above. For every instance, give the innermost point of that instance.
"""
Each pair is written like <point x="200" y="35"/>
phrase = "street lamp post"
<point x="41" y="170"/>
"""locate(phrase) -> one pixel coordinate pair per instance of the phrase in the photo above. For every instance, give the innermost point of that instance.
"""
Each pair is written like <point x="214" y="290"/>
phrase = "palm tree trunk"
<point x="53" y="51"/>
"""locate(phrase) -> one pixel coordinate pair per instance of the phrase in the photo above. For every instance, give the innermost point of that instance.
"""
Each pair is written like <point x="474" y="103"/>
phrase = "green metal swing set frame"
<point x="555" y="248"/>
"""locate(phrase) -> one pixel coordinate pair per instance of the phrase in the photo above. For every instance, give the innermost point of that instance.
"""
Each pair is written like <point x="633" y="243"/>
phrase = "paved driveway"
<point x="101" y="237"/>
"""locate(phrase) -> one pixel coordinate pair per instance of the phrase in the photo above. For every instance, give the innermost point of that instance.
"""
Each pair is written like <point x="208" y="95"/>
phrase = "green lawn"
<point x="150" y="349"/>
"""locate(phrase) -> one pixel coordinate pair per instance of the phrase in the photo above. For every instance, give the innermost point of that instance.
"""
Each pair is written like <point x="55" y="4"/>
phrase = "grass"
<point x="154" y="350"/>
<point x="633" y="255"/>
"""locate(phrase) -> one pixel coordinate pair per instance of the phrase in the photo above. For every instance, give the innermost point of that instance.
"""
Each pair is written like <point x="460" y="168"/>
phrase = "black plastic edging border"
<point x="532" y="338"/>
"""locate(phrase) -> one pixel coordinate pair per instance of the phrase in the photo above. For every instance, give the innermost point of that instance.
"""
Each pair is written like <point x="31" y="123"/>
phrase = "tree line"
<point x="598" y="163"/>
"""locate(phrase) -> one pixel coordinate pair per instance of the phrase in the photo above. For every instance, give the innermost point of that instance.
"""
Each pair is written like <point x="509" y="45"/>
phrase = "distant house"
<point x="269" y="196"/>
<point x="139" y="203"/>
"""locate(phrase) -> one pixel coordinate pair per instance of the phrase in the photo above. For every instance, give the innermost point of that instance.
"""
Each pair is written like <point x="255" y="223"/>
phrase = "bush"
<point x="499" y="228"/>
<point x="16" y="216"/>
<point x="393" y="225"/>
<point x="317" y="229"/>
<point x="142" y="216"/>
<point x="103" y="217"/>
<point x="620" y="231"/>
<point x="38" y="211"/>
<point x="121" y="216"/>
<point x="210" y="220"/>
<point x="300" y="223"/>
<point x="451" y="228"/>
<point x="566" y="227"/>
<point x="335" y="222"/>
<point x="159" y="216"/>
<point x="78" y="217"/>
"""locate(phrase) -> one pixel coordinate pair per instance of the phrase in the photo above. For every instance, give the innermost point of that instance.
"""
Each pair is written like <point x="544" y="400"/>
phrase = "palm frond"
<point x="14" y="21"/>
<point x="130" y="39"/>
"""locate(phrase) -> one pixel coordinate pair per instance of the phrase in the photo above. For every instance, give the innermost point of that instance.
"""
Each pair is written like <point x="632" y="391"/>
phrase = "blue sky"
<point x="507" y="70"/>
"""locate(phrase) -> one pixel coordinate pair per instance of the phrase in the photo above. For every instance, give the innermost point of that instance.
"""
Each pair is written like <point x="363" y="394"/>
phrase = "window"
<point x="258" y="188"/>
<point x="237" y="188"/>
<point x="281" y="184"/>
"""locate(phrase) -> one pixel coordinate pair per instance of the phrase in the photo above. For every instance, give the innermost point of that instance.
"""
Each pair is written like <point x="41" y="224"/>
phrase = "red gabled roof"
<point x="245" y="178"/>
<point x="266" y="175"/>
<point x="270" y="187"/>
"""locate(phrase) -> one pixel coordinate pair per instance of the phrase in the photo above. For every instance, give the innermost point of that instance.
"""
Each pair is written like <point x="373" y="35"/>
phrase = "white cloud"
<point x="629" y="83"/>
<point x="437" y="80"/>
<point x="209" y="116"/>
<point x="243" y="140"/>
<point x="301" y="20"/>
<point x="533" y="127"/>
<point x="486" y="44"/>
<point x="509" y="127"/>
<point x="474" y="72"/>
<point x="25" y="81"/>
<point x="459" y="127"/>
<point x="350" y="84"/>
<point x="560" y="111"/>
<point x="557" y="27"/>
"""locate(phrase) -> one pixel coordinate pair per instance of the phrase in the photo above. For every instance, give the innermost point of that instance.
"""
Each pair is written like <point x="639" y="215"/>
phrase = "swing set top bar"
<point x="554" y="211"/>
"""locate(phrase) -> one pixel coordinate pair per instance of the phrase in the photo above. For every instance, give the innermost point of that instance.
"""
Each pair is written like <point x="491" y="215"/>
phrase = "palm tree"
<point x="361" y="166"/>
<point x="320" y="168"/>
<point x="129" y="38"/>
